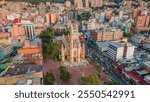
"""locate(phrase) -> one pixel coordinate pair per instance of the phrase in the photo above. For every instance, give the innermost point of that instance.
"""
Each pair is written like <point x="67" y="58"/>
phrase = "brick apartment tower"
<point x="68" y="3"/>
<point x="78" y="4"/>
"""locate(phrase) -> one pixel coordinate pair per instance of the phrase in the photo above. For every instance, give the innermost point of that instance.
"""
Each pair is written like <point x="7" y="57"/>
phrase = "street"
<point x="101" y="60"/>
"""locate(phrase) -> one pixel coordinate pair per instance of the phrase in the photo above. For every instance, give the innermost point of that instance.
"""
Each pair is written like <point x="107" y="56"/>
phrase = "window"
<point x="75" y="53"/>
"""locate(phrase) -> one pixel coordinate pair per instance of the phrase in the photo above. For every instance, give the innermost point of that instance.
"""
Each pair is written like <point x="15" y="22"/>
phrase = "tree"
<point x="64" y="74"/>
<point x="50" y="48"/>
<point x="54" y="49"/>
<point x="49" y="79"/>
<point x="128" y="34"/>
<point x="99" y="68"/>
<point x="95" y="63"/>
<point x="90" y="80"/>
<point x="84" y="16"/>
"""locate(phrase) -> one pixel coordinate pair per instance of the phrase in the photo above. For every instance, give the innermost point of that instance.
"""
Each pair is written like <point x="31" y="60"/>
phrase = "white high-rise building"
<point x="29" y="29"/>
<point x="129" y="51"/>
<point x="118" y="50"/>
<point x="115" y="50"/>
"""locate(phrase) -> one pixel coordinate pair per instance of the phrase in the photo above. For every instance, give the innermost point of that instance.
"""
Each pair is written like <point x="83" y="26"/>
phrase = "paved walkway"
<point x="76" y="73"/>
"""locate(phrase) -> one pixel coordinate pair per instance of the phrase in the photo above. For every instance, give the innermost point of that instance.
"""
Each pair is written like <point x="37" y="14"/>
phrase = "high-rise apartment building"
<point x="18" y="36"/>
<point x="72" y="15"/>
<point x="29" y="30"/>
<point x="118" y="50"/>
<point x="51" y="17"/>
<point x="17" y="30"/>
<point x="68" y="3"/>
<point x="78" y="4"/>
<point x="107" y="35"/>
<point x="142" y="23"/>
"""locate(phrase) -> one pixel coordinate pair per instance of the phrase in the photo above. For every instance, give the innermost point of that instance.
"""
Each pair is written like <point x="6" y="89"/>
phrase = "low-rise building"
<point x="146" y="45"/>
<point x="30" y="81"/>
<point x="5" y="38"/>
<point x="31" y="54"/>
<point x="92" y="25"/>
<point x="146" y="66"/>
<point x="5" y="50"/>
<point x="131" y="71"/>
<point x="147" y="78"/>
<point x="18" y="59"/>
<point x="16" y="73"/>
<point x="137" y="38"/>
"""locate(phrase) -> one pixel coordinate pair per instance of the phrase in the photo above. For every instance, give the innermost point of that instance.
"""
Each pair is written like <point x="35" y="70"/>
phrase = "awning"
<point x="121" y="67"/>
<point x="135" y="77"/>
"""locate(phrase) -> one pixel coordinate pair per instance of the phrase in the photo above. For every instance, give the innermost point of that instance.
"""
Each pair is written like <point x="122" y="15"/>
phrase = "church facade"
<point x="71" y="49"/>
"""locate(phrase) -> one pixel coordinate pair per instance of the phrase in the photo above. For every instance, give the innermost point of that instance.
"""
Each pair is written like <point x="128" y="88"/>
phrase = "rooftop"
<point x="3" y="67"/>
<point x="36" y="42"/>
<point x="22" y="69"/>
<point x="2" y="47"/>
<point x="26" y="22"/>
<point x="142" y="72"/>
<point x="132" y="67"/>
<point x="4" y="34"/>
<point x="147" y="78"/>
<point x="134" y="76"/>
<point x="29" y="81"/>
<point x="147" y="64"/>
<point x="116" y="44"/>
<point x="103" y="45"/>
<point x="139" y="36"/>
<point x="34" y="50"/>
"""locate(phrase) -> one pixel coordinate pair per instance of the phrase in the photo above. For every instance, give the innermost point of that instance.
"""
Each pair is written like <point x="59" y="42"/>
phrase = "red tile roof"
<point x="30" y="50"/>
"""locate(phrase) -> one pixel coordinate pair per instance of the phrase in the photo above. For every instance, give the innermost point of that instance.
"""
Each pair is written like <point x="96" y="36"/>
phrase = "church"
<point x="71" y="49"/>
